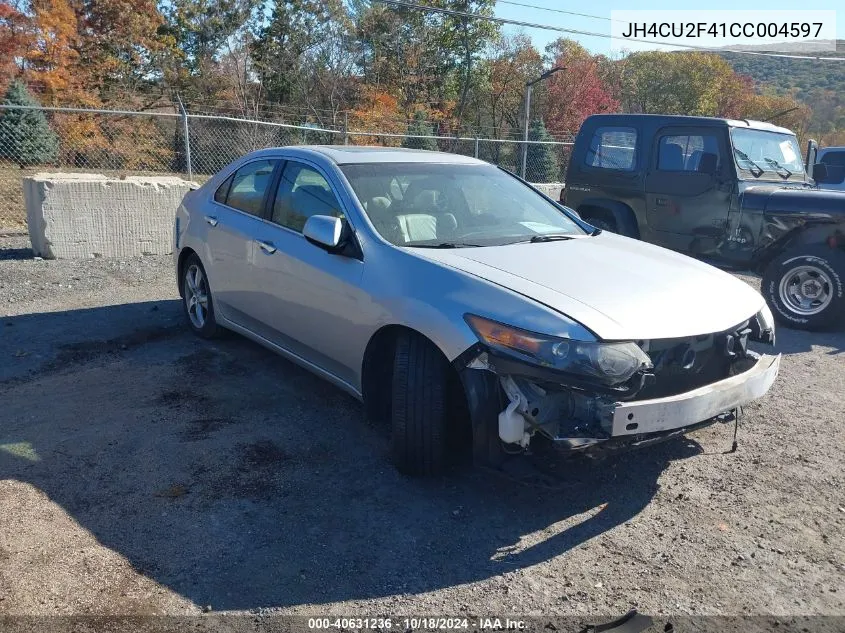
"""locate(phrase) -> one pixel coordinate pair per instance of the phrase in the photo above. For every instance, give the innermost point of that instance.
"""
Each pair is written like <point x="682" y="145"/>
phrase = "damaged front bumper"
<point x="575" y="417"/>
<point x="698" y="405"/>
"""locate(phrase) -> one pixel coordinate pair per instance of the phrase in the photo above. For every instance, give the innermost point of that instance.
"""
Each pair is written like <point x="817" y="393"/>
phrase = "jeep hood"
<point x="807" y="202"/>
<point x="620" y="288"/>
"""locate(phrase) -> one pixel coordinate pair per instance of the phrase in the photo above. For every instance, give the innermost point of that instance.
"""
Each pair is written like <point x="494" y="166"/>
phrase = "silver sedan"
<point x="457" y="301"/>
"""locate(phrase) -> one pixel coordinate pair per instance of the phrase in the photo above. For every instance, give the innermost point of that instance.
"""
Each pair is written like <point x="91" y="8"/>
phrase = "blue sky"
<point x="603" y="8"/>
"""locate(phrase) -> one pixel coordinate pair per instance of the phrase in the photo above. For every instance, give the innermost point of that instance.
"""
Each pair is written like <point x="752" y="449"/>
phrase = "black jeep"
<point x="734" y="193"/>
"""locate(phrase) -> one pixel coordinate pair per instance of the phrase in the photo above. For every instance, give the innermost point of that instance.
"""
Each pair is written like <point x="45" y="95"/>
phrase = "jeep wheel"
<point x="419" y="406"/>
<point x="804" y="288"/>
<point x="601" y="220"/>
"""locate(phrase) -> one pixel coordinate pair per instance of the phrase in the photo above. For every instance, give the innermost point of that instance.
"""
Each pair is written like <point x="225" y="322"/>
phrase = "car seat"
<point x="671" y="157"/>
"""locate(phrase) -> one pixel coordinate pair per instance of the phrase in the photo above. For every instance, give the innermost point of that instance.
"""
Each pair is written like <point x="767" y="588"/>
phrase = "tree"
<point x="675" y="83"/>
<point x="541" y="162"/>
<point x="51" y="61"/>
<point x="120" y="43"/>
<point x="15" y="38"/>
<point x="576" y="93"/>
<point x="420" y="127"/>
<point x="514" y="61"/>
<point x="25" y="136"/>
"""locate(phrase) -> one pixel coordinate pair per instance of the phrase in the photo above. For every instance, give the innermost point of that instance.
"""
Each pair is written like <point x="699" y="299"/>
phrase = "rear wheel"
<point x="197" y="302"/>
<point x="601" y="219"/>
<point x="804" y="288"/>
<point x="419" y="398"/>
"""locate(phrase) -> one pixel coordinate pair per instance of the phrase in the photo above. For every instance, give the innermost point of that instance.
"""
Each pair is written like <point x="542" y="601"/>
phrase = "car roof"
<point x="354" y="154"/>
<point x="703" y="121"/>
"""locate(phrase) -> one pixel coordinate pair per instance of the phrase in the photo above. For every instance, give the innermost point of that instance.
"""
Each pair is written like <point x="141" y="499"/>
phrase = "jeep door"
<point x="689" y="188"/>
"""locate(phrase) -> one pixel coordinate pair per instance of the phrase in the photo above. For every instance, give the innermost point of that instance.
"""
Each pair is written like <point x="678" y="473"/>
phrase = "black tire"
<point x="419" y="406"/>
<point x="206" y="327"/>
<point x="825" y="272"/>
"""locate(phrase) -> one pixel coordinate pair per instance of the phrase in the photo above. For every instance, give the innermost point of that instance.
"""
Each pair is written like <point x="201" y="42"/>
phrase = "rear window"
<point x="613" y="148"/>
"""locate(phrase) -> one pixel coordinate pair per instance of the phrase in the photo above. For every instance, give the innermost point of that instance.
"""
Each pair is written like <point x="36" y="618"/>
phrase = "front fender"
<point x="781" y="232"/>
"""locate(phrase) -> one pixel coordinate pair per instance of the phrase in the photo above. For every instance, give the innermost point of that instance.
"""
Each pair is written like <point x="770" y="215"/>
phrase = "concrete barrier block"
<point x="72" y="216"/>
<point x="551" y="189"/>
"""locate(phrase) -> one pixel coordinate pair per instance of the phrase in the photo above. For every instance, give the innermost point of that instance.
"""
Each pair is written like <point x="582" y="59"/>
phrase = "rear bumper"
<point x="699" y="405"/>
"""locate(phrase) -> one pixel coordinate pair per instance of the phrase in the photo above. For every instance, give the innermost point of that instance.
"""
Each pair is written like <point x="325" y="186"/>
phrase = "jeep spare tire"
<point x="805" y="288"/>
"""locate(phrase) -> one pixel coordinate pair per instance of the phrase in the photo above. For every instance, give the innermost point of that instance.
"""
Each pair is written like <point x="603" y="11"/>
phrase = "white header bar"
<point x="804" y="31"/>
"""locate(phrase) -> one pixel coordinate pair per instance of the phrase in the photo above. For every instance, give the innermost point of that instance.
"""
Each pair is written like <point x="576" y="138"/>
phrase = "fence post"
<point x="346" y="128"/>
<point x="187" y="139"/>
<point x="476" y="147"/>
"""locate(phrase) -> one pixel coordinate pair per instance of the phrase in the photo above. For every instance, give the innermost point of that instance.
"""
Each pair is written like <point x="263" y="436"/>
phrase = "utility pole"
<point x="187" y="138"/>
<point x="528" y="87"/>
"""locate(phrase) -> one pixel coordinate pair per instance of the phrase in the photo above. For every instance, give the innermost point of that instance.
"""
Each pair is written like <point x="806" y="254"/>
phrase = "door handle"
<point x="267" y="247"/>
<point x="211" y="220"/>
<point x="661" y="202"/>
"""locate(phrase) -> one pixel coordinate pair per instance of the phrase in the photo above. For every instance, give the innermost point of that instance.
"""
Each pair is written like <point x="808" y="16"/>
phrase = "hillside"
<point x="783" y="74"/>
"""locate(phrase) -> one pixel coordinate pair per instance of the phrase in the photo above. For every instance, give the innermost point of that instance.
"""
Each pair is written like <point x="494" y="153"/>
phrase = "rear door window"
<point x="613" y="148"/>
<point x="249" y="186"/>
<point x="684" y="152"/>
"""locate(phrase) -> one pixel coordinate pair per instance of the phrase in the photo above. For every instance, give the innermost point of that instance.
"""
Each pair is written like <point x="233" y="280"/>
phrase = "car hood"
<point x="803" y="201"/>
<point x="620" y="288"/>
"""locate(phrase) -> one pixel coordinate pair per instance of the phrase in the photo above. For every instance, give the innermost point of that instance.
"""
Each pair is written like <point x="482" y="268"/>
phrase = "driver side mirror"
<point x="324" y="231"/>
<point x="828" y="174"/>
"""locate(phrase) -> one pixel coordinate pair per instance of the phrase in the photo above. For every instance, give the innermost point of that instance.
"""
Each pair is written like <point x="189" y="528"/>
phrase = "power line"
<point x="539" y="8"/>
<point x="559" y="29"/>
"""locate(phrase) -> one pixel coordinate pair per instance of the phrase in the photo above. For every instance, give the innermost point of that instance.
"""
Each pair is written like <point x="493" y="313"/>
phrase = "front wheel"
<point x="804" y="287"/>
<point x="419" y="406"/>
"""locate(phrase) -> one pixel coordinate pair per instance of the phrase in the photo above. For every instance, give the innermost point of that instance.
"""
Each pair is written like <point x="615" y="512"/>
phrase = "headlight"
<point x="609" y="363"/>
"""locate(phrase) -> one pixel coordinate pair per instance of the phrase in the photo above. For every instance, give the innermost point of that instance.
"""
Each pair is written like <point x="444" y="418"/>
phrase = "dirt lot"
<point x="143" y="471"/>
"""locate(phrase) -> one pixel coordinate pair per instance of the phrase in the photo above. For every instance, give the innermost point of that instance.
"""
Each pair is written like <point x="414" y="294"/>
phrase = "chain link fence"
<point x="123" y="143"/>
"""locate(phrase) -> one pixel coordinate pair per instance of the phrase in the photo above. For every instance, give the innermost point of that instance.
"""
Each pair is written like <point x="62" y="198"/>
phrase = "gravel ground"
<point x="143" y="471"/>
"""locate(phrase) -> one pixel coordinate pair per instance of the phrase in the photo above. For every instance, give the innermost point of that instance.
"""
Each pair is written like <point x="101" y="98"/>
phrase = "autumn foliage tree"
<point x="15" y="35"/>
<point x="365" y="65"/>
<point x="575" y="93"/>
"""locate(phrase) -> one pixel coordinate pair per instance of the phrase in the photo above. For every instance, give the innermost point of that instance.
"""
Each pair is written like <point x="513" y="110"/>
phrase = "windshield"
<point x="430" y="204"/>
<point x="767" y="153"/>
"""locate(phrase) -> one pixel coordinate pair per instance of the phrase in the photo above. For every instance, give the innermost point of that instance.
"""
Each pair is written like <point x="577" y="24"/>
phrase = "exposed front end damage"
<point x="691" y="382"/>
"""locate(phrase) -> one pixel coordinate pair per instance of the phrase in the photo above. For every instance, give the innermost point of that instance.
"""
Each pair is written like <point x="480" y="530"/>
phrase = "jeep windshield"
<point x="767" y="155"/>
<point x="451" y="205"/>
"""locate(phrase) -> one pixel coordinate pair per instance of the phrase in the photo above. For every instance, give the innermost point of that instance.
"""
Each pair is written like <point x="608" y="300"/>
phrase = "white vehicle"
<point x="450" y="296"/>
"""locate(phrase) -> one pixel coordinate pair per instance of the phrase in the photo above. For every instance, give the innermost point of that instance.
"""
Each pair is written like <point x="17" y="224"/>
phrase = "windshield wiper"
<point x="743" y="156"/>
<point x="549" y="237"/>
<point x="443" y="245"/>
<point x="777" y="165"/>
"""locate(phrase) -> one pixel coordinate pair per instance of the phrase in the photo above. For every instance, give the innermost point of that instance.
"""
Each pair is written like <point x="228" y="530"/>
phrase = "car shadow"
<point x="239" y="480"/>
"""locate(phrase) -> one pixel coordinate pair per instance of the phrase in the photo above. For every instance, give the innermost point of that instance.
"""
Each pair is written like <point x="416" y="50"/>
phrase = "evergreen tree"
<point x="541" y="163"/>
<point x="419" y="127"/>
<point x="25" y="136"/>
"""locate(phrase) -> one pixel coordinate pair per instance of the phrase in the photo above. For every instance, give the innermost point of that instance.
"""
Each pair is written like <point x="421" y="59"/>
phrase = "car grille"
<point x="689" y="363"/>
